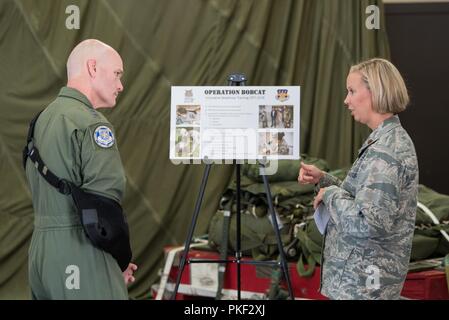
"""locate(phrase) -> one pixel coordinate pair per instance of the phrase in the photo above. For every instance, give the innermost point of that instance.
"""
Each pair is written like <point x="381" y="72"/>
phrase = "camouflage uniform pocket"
<point x="335" y="266"/>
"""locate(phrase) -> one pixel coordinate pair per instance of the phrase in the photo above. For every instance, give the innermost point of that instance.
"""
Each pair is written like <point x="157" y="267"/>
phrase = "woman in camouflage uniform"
<point x="368" y="239"/>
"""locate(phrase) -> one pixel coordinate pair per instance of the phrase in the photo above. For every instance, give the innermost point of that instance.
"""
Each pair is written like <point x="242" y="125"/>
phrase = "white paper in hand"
<point x="321" y="217"/>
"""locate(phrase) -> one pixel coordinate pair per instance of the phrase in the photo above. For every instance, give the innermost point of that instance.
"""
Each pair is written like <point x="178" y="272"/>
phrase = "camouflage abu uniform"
<point x="368" y="240"/>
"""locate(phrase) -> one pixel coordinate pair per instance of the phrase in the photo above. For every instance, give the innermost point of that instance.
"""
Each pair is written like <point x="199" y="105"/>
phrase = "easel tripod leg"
<point x="199" y="201"/>
<point x="238" y="235"/>
<point x="278" y="236"/>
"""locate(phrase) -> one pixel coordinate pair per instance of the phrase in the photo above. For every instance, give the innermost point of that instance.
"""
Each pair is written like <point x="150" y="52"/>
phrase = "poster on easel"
<point x="235" y="122"/>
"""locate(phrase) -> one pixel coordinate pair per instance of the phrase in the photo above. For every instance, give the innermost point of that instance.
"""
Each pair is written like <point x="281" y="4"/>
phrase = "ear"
<point x="92" y="67"/>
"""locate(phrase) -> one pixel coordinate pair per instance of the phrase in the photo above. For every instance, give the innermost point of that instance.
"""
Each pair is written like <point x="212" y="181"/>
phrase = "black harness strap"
<point x="29" y="139"/>
<point x="63" y="186"/>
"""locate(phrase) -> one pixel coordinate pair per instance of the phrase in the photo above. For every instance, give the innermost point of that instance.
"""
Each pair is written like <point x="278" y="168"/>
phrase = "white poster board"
<point x="234" y="122"/>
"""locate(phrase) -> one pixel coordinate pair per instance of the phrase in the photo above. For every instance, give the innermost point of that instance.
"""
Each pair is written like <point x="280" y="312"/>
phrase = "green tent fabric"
<point x="311" y="43"/>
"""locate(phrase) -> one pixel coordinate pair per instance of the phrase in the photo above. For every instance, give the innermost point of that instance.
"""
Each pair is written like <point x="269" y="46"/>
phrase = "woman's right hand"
<point x="308" y="173"/>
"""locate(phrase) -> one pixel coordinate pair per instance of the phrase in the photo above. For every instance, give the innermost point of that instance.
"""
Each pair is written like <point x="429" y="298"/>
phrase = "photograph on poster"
<point x="276" y="116"/>
<point x="187" y="142"/>
<point x="188" y="115"/>
<point x="275" y="143"/>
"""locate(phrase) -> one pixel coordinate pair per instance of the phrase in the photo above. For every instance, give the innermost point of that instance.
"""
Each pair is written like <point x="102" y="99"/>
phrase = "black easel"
<point x="234" y="80"/>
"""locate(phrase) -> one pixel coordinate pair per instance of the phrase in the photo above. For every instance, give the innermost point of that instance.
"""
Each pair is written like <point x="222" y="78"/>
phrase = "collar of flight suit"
<point x="386" y="126"/>
<point x="74" y="94"/>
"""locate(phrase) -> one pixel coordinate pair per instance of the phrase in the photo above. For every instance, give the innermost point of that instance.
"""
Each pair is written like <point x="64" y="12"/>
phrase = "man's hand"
<point x="308" y="173"/>
<point x="319" y="198"/>
<point x="128" y="273"/>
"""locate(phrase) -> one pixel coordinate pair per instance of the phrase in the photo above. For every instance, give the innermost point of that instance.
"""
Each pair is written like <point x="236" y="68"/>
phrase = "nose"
<point x="120" y="86"/>
<point x="346" y="102"/>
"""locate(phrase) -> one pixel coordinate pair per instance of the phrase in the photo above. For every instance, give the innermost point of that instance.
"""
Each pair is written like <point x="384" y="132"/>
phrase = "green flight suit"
<point x="77" y="144"/>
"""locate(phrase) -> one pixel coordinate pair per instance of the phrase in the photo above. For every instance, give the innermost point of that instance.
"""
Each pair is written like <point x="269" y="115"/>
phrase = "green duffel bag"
<point x="258" y="238"/>
<point x="438" y="205"/>
<point x="443" y="245"/>
<point x="281" y="190"/>
<point x="437" y="247"/>
<point x="310" y="243"/>
<point x="287" y="170"/>
<point x="423" y="247"/>
<point x="436" y="202"/>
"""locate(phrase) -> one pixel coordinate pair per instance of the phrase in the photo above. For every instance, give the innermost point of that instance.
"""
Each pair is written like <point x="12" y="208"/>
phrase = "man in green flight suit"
<point x="77" y="143"/>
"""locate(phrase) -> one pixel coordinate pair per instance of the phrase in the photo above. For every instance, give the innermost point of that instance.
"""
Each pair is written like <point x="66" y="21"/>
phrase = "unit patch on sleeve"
<point x="104" y="137"/>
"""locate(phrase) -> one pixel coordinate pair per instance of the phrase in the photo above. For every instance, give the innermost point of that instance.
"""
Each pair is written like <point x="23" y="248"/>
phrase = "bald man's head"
<point x="84" y="51"/>
<point x="95" y="69"/>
